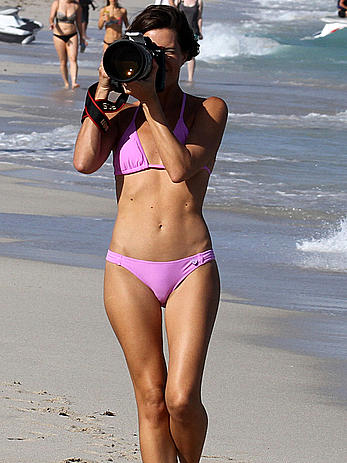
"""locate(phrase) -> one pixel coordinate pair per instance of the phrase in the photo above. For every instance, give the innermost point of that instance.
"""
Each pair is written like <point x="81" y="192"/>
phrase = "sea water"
<point x="276" y="202"/>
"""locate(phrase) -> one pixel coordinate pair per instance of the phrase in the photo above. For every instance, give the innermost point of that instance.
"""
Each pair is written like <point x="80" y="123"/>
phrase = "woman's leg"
<point x="136" y="318"/>
<point x="72" y="52"/>
<point x="61" y="51"/>
<point x="191" y="69"/>
<point x="190" y="314"/>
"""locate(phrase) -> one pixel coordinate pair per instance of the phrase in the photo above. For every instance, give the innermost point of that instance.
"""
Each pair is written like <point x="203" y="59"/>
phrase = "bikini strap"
<point x="134" y="116"/>
<point x="183" y="105"/>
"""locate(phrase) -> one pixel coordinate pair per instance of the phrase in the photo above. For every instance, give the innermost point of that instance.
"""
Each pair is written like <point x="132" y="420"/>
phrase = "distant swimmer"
<point x="112" y="17"/>
<point x="342" y="8"/>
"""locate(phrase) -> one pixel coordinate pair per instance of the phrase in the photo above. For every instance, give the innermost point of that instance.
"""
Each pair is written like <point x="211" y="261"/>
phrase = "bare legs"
<point x="172" y="419"/>
<point x="67" y="52"/>
<point x="191" y="69"/>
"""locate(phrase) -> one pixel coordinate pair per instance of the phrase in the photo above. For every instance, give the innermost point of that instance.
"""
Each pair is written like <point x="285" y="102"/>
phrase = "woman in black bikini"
<point x="65" y="21"/>
<point x="193" y="11"/>
<point x="112" y="16"/>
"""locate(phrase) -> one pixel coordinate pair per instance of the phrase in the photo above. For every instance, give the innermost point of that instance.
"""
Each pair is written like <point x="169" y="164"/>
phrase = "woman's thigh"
<point x="60" y="48"/>
<point x="190" y="315"/>
<point x="72" y="48"/>
<point x="136" y="318"/>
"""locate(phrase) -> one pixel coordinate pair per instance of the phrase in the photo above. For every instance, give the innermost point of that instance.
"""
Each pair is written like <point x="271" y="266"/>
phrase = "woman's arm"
<point x="125" y="18"/>
<point x="205" y="135"/>
<point x="93" y="146"/>
<point x="52" y="15"/>
<point x="182" y="161"/>
<point x="101" y="21"/>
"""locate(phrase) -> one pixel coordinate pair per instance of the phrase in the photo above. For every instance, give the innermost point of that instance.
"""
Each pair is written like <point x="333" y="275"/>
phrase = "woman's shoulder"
<point x="211" y="103"/>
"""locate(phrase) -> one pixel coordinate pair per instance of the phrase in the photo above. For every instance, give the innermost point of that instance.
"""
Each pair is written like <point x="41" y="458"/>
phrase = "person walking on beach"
<point x="160" y="253"/>
<point x="193" y="11"/>
<point x="65" y="21"/>
<point x="112" y="17"/>
<point x="85" y="16"/>
<point x="342" y="8"/>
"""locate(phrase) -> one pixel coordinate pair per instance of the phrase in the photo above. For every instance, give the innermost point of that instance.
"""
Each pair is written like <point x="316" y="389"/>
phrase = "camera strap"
<point x="96" y="109"/>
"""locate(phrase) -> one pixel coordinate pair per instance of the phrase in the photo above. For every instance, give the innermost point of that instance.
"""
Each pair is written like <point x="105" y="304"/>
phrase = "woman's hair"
<point x="167" y="17"/>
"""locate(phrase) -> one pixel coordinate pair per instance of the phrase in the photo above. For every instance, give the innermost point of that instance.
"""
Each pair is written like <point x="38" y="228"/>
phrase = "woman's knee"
<point x="183" y="405"/>
<point x="151" y="404"/>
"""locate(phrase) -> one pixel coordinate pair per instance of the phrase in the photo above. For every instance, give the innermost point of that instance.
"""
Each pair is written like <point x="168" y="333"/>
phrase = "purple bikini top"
<point x="129" y="155"/>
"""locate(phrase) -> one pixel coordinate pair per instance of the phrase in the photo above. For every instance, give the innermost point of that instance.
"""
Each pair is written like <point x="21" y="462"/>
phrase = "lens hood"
<point x="126" y="60"/>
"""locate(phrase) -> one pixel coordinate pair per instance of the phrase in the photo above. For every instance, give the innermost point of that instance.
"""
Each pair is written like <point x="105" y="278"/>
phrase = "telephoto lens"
<point x="130" y="58"/>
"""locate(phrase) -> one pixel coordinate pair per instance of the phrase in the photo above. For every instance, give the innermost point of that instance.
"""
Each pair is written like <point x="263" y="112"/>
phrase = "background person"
<point x="65" y="21"/>
<point x="160" y="253"/>
<point x="112" y="17"/>
<point x="164" y="2"/>
<point x="193" y="11"/>
<point x="85" y="16"/>
<point x="342" y="8"/>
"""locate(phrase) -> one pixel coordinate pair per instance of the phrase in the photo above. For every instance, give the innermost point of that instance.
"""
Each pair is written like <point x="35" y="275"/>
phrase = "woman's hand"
<point x="104" y="86"/>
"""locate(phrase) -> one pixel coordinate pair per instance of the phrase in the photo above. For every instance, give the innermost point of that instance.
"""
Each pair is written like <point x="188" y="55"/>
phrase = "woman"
<point x="85" y="14"/>
<point x="112" y="16"/>
<point x="342" y="8"/>
<point x="193" y="11"/>
<point x="65" y="21"/>
<point x="160" y="254"/>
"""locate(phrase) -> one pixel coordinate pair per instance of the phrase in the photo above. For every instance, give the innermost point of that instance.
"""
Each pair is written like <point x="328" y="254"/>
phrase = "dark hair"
<point x="167" y="17"/>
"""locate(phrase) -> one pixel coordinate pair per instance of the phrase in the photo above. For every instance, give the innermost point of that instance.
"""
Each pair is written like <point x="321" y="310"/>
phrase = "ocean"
<point x="276" y="203"/>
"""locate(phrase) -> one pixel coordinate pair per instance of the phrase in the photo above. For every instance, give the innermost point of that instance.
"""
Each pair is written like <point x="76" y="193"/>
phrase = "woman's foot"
<point x="75" y="85"/>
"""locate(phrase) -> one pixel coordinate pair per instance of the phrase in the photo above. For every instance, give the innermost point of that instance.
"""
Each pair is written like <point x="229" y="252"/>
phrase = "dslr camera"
<point x="131" y="58"/>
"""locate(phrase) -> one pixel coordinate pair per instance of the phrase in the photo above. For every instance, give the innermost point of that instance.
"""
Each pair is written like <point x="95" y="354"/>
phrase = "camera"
<point x="130" y="58"/>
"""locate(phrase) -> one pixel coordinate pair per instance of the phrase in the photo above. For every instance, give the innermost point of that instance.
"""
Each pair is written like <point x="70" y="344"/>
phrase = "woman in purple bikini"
<point x="160" y="253"/>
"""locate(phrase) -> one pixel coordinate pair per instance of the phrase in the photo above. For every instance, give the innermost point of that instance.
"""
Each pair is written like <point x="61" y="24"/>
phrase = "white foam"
<point x="289" y="10"/>
<point x="58" y="142"/>
<point x="291" y="120"/>
<point x="328" y="252"/>
<point x="222" y="41"/>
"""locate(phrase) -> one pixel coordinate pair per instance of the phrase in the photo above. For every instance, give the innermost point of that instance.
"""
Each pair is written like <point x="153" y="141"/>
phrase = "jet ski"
<point x="333" y="24"/>
<point x="15" y="29"/>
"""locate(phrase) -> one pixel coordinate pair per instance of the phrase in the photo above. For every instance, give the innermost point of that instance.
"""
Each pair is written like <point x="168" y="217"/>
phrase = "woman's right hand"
<point x="104" y="86"/>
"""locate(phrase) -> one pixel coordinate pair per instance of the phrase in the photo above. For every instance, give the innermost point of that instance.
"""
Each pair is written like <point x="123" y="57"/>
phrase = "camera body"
<point x="131" y="58"/>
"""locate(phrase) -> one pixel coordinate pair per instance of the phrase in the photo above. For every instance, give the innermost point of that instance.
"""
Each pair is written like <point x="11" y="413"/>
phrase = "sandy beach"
<point x="65" y="392"/>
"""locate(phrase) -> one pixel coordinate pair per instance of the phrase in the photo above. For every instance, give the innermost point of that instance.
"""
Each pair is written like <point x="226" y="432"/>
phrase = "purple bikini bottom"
<point x="161" y="277"/>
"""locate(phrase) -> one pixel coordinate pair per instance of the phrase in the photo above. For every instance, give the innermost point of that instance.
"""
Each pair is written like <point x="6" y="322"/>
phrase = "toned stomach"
<point x="160" y="224"/>
<point x="112" y="33"/>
